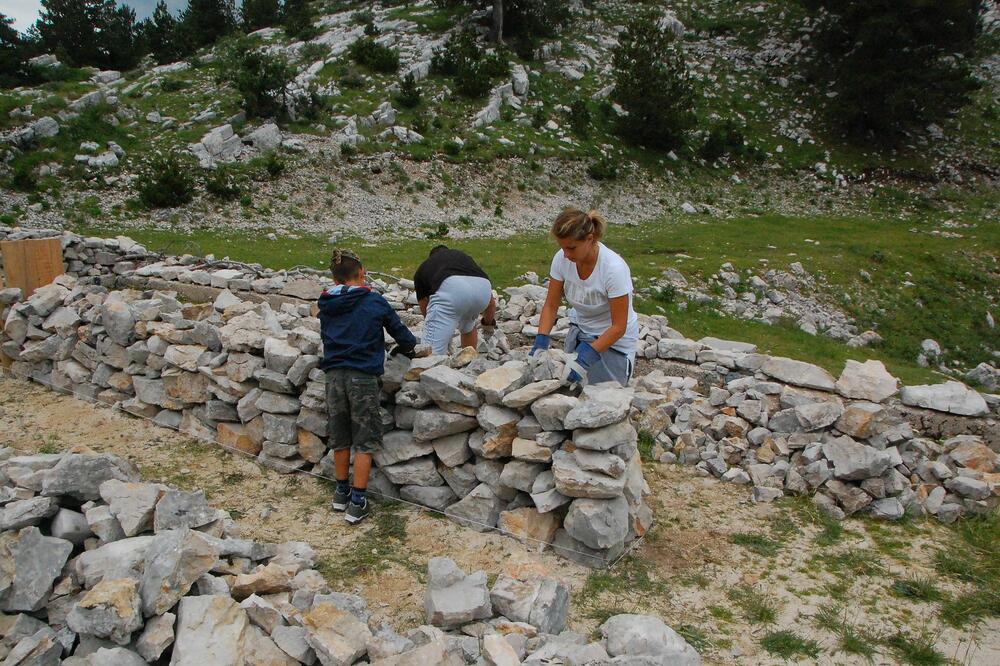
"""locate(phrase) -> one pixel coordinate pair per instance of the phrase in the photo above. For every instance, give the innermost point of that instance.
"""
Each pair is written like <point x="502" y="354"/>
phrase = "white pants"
<point x="455" y="306"/>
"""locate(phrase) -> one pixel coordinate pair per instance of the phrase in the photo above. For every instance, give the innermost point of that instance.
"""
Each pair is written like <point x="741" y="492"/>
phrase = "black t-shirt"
<point x="442" y="265"/>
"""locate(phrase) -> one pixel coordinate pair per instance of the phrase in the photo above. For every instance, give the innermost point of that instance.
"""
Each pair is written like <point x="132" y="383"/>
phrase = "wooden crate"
<point x="32" y="263"/>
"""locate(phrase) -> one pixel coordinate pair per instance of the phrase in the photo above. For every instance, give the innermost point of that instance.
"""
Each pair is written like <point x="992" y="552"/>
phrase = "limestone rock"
<point x="573" y="481"/>
<point x="111" y="609"/>
<point x="479" y="510"/>
<point x="80" y="476"/>
<point x="598" y="523"/>
<point x="174" y="561"/>
<point x="601" y="408"/>
<point x="798" y="373"/>
<point x="29" y="565"/>
<point x="854" y="461"/>
<point x="132" y="504"/>
<point x="645" y="635"/>
<point x="540" y="601"/>
<point x="337" y="637"/>
<point x="530" y="526"/>
<point x="156" y="637"/>
<point x="866" y="381"/>
<point x="211" y="631"/>
<point x="951" y="397"/>
<point x="452" y="598"/>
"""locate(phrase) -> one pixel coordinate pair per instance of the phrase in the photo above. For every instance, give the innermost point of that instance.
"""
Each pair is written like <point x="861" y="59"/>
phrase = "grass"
<point x="972" y="557"/>
<point x="630" y="585"/>
<point x="917" y="588"/>
<point x="787" y="644"/>
<point x="916" y="650"/>
<point x="756" y="606"/>
<point x="855" y="563"/>
<point x="756" y="543"/>
<point x="377" y="548"/>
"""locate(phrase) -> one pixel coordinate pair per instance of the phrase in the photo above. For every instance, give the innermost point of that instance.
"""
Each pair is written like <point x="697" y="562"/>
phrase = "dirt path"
<point x="821" y="582"/>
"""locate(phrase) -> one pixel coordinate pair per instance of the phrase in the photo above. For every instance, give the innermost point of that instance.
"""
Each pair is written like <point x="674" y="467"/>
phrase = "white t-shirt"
<point x="589" y="298"/>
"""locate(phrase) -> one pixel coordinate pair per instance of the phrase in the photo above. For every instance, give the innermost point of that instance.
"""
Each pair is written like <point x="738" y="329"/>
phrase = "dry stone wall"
<point x="459" y="435"/>
<point x="102" y="569"/>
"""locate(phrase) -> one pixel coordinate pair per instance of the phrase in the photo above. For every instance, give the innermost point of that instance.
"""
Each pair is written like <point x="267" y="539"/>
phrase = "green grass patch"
<point x="916" y="650"/>
<point x="756" y="543"/>
<point x="375" y="550"/>
<point x="697" y="638"/>
<point x="787" y="644"/>
<point x="917" y="588"/>
<point x="756" y="606"/>
<point x="631" y="583"/>
<point x="972" y="556"/>
<point x="855" y="563"/>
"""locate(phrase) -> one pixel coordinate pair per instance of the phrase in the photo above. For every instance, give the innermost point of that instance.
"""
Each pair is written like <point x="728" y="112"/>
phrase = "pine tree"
<point x="89" y="32"/>
<point x="257" y="14"/>
<point x="298" y="19"/>
<point x="205" y="21"/>
<point x="160" y="34"/>
<point x="13" y="56"/>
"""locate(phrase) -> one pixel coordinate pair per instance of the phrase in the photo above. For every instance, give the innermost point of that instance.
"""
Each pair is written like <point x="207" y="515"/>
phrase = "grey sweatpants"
<point x="454" y="306"/>
<point x="614" y="366"/>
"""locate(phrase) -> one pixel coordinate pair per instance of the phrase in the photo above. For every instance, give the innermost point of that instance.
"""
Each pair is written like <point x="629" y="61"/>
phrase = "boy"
<point x="351" y="318"/>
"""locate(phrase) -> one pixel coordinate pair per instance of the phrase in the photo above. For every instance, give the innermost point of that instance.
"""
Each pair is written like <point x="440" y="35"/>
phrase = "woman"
<point x="452" y="291"/>
<point x="597" y="284"/>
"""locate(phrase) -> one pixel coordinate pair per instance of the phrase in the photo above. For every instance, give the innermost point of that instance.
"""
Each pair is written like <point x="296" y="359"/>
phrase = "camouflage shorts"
<point x="352" y="399"/>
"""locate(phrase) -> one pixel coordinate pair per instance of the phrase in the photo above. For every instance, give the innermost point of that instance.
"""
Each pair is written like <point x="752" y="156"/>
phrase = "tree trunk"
<point x="498" y="21"/>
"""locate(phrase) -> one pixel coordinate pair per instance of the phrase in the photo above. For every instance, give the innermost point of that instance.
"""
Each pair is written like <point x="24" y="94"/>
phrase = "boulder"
<point x="30" y="565"/>
<point x="80" y="476"/>
<point x="598" y="523"/>
<point x="526" y="395"/>
<point x="607" y="438"/>
<point x="431" y="424"/>
<point x="111" y="609"/>
<point x="495" y="384"/>
<point x="174" y="561"/>
<point x="645" y="635"/>
<point x="573" y="481"/>
<point x="602" y="407"/>
<point x="337" y="637"/>
<point x="551" y="410"/>
<point x="855" y="461"/>
<point x="447" y="385"/>
<point x="132" y="504"/>
<point x="156" y="637"/>
<point x="540" y="601"/>
<point x="798" y="373"/>
<point x="479" y="510"/>
<point x="178" y="509"/>
<point x="211" y="631"/>
<point x="453" y="598"/>
<point x="529" y="525"/>
<point x="950" y="397"/>
<point x="866" y="381"/>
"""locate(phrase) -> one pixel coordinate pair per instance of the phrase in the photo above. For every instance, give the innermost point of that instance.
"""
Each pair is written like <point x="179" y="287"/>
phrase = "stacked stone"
<point x="495" y="445"/>
<point x="105" y="570"/>
<point x="839" y="441"/>
<point x="505" y="446"/>
<point x="89" y="257"/>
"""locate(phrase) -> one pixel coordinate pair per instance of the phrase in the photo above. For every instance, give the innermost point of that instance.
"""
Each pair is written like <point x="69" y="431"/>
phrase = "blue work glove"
<point x="541" y="344"/>
<point x="586" y="356"/>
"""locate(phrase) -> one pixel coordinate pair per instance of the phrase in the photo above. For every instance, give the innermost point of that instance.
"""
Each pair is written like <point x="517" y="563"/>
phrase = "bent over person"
<point x="597" y="283"/>
<point x="453" y="291"/>
<point x="352" y="318"/>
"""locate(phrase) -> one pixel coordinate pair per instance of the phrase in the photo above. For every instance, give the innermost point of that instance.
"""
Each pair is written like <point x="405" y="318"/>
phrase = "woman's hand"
<point x="619" y="324"/>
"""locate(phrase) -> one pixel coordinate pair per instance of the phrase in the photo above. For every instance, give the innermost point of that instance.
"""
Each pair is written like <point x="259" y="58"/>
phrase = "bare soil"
<point x="685" y="570"/>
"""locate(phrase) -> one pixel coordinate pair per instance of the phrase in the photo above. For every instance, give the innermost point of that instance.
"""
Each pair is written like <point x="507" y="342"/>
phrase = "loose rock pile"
<point x="89" y="257"/>
<point x="102" y="569"/>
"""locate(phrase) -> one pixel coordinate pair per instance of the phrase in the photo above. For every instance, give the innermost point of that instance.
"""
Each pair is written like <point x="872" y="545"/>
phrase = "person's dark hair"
<point x="438" y="248"/>
<point x="345" y="265"/>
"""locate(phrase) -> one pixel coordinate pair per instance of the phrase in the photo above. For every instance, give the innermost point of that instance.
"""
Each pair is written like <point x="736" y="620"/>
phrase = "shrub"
<point x="894" y="64"/>
<point x="652" y="84"/>
<point x="23" y="178"/>
<point x="606" y="167"/>
<point x="726" y="138"/>
<point x="348" y="150"/>
<point x="166" y="182"/>
<point x="366" y="51"/>
<point x="299" y="20"/>
<point x="274" y="166"/>
<point x="471" y="68"/>
<point x="261" y="79"/>
<point x="452" y="148"/>
<point x="409" y="94"/>
<point x="579" y="118"/>
<point x="224" y="183"/>
<point x="541" y="18"/>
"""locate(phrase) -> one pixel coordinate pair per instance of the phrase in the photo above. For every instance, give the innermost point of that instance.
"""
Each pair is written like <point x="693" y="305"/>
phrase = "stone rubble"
<point x="206" y="597"/>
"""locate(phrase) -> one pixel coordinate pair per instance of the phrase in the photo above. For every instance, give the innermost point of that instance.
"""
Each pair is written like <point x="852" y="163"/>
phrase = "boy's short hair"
<point x="437" y="248"/>
<point x="345" y="265"/>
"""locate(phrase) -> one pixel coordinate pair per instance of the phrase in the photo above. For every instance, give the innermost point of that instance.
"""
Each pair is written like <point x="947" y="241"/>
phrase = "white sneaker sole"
<point x="353" y="520"/>
<point x="337" y="506"/>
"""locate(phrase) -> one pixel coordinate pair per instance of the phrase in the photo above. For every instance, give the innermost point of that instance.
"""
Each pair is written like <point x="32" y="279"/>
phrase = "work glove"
<point x="575" y="371"/>
<point x="408" y="352"/>
<point x="541" y="344"/>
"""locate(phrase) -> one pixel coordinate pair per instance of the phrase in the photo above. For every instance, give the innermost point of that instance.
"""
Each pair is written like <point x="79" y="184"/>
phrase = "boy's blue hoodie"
<point x="351" y="321"/>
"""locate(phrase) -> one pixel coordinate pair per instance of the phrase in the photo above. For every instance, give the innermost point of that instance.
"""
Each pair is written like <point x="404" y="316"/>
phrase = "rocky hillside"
<point x="354" y="154"/>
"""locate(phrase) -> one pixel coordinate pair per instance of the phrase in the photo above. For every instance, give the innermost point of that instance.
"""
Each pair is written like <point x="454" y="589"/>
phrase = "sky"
<point x="25" y="12"/>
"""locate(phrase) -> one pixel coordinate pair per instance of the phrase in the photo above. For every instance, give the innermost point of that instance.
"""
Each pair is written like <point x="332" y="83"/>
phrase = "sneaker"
<point x="357" y="512"/>
<point x="340" y="500"/>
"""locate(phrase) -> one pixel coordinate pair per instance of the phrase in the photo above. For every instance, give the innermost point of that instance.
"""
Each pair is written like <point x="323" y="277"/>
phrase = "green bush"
<point x="366" y="51"/>
<point x="274" y="166"/>
<point x="579" y="118"/>
<point x="471" y="68"/>
<point x="452" y="148"/>
<point x="606" y="167"/>
<point x="409" y="94"/>
<point x="23" y="178"/>
<point x="653" y="85"/>
<point x="166" y="182"/>
<point x="894" y="64"/>
<point x="725" y="138"/>
<point x="223" y="183"/>
<point x="261" y="79"/>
